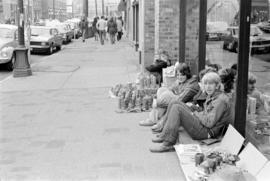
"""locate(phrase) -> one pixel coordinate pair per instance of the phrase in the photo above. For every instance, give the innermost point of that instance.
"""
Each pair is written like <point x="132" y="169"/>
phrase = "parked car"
<point x="45" y="39"/>
<point x="76" y="29"/>
<point x="8" y="42"/>
<point x="216" y="30"/>
<point x="65" y="31"/>
<point x="264" y="26"/>
<point x="259" y="41"/>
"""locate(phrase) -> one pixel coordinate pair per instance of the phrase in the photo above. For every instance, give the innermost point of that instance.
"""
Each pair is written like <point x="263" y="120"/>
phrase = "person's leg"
<point x="154" y="116"/>
<point x="83" y="35"/>
<point x="111" y="38"/>
<point x="102" y="37"/>
<point x="180" y="115"/>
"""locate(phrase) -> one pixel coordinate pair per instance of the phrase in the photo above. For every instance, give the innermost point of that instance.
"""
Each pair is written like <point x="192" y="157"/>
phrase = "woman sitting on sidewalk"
<point x="184" y="90"/>
<point x="199" y="125"/>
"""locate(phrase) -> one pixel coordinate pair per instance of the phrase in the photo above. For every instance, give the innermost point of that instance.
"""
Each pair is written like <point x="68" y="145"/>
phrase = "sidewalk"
<point x="60" y="124"/>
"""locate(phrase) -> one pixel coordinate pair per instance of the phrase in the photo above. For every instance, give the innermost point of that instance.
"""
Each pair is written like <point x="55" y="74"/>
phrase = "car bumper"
<point x="261" y="47"/>
<point x="37" y="48"/>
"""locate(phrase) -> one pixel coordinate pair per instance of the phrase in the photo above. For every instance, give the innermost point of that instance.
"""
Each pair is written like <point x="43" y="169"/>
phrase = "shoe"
<point x="147" y="122"/>
<point x="162" y="148"/>
<point x="157" y="140"/>
<point x="157" y="128"/>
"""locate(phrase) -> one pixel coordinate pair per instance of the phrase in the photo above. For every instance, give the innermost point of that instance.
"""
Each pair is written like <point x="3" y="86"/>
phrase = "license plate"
<point x="261" y="48"/>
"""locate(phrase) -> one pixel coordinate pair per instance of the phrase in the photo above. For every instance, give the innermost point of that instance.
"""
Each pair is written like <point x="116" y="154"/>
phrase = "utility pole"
<point x="85" y="8"/>
<point x="21" y="64"/>
<point x="103" y="8"/>
<point x="53" y="9"/>
<point x="96" y="7"/>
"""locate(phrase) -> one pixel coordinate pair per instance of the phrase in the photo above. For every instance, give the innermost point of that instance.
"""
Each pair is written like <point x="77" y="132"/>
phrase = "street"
<point x="35" y="58"/>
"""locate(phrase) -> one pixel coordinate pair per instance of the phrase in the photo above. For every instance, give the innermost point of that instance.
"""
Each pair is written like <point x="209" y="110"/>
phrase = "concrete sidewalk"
<point x="60" y="124"/>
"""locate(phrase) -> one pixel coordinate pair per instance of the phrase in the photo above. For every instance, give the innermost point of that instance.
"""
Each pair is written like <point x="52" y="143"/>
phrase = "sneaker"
<point x="147" y="122"/>
<point x="157" y="140"/>
<point x="162" y="148"/>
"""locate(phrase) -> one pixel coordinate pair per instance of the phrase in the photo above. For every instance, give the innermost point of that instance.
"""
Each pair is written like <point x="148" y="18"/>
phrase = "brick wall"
<point x="192" y="34"/>
<point x="147" y="43"/>
<point x="167" y="26"/>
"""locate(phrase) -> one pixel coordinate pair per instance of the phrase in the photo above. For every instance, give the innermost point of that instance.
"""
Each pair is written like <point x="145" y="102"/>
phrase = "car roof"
<point x="13" y="27"/>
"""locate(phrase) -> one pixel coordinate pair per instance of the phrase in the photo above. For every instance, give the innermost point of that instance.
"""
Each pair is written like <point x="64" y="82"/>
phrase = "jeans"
<point x="112" y="38"/>
<point x="102" y="35"/>
<point x="181" y="115"/>
<point x="83" y="34"/>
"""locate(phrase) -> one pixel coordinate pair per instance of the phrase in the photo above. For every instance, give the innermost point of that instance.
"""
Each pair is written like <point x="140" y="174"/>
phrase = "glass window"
<point x="40" y="32"/>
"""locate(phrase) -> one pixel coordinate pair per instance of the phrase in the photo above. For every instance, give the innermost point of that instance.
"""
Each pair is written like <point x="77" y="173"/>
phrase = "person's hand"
<point x="189" y="104"/>
<point x="154" y="105"/>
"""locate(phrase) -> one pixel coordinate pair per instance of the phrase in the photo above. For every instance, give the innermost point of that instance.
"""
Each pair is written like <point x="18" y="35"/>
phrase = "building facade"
<point x="54" y="9"/>
<point x="8" y="10"/>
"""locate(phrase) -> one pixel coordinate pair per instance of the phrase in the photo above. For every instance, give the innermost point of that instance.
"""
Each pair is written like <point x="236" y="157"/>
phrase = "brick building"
<point x="154" y="24"/>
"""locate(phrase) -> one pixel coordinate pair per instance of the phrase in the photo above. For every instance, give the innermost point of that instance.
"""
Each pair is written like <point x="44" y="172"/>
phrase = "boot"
<point x="164" y="147"/>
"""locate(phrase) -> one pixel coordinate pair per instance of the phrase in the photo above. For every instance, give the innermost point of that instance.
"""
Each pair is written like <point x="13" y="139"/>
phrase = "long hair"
<point x="227" y="77"/>
<point x="184" y="69"/>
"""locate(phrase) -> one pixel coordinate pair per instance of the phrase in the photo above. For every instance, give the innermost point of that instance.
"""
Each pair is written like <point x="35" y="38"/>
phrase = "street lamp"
<point x="21" y="64"/>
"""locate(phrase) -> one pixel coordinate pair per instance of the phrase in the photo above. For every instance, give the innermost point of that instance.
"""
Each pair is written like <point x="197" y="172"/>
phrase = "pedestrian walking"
<point x="112" y="29"/>
<point x="120" y="24"/>
<point x="94" y="27"/>
<point x="83" y="27"/>
<point x="101" y="26"/>
<point x="106" y="34"/>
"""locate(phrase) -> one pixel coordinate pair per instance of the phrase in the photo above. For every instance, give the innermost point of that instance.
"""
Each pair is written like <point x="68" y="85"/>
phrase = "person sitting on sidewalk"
<point x="199" y="125"/>
<point x="161" y="61"/>
<point x="195" y="105"/>
<point x="185" y="88"/>
<point x="255" y="93"/>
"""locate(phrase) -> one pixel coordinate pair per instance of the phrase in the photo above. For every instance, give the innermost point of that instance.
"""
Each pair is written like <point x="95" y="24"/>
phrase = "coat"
<point x="112" y="27"/>
<point x="187" y="90"/>
<point x="217" y="113"/>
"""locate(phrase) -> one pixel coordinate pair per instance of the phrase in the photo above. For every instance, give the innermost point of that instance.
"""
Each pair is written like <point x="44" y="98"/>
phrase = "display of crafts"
<point x="136" y="97"/>
<point x="207" y="164"/>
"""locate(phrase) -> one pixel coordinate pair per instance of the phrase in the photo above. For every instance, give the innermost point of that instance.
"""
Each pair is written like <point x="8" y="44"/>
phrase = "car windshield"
<point x="6" y="33"/>
<point x="40" y="32"/>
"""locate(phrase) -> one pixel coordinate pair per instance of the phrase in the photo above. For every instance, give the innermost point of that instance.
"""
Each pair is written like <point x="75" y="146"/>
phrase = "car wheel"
<point x="58" y="48"/>
<point x="50" y="50"/>
<point x="10" y="65"/>
<point x="224" y="46"/>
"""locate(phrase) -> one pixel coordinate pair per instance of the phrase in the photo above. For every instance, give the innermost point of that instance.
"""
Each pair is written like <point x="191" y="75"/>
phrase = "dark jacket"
<point x="83" y="25"/>
<point x="112" y="27"/>
<point x="187" y="90"/>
